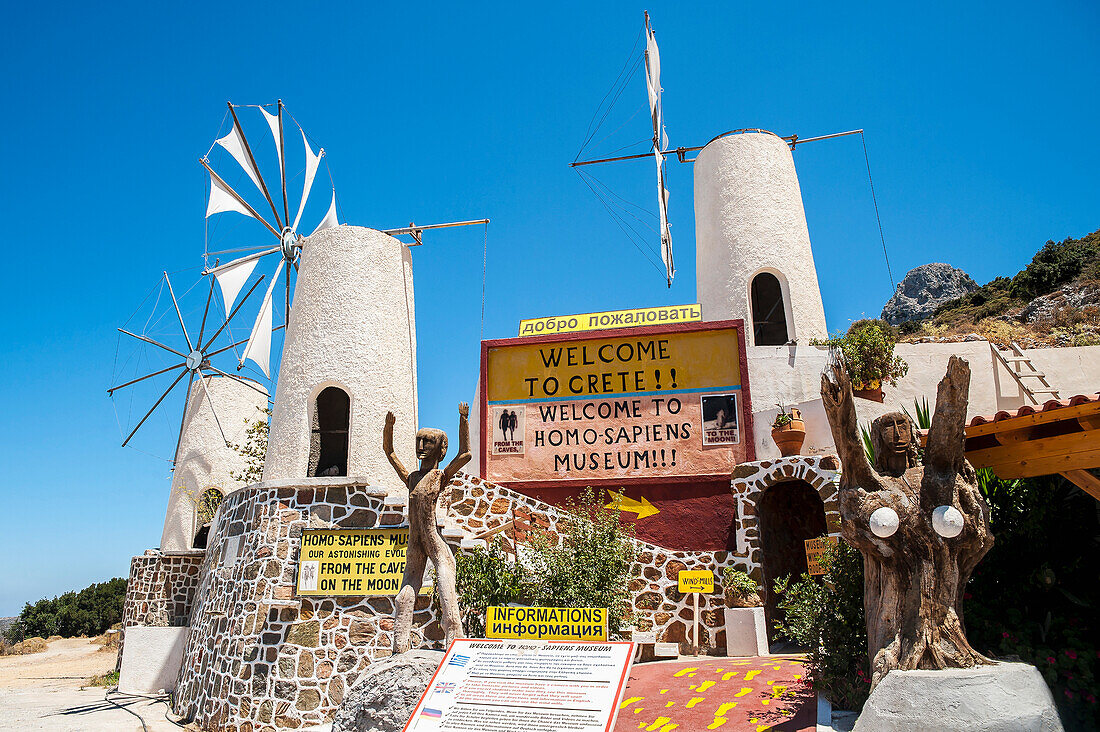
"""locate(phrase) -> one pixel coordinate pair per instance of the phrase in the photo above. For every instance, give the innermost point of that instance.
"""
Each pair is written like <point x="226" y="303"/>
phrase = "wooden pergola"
<point x="1058" y="437"/>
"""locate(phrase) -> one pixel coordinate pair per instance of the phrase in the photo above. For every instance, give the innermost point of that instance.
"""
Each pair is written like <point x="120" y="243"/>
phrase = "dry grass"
<point x="1058" y="333"/>
<point x="30" y="645"/>
<point x="108" y="679"/>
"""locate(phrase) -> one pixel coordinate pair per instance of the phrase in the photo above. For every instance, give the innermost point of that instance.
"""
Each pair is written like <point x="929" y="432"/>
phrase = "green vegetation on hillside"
<point x="1072" y="261"/>
<point x="89" y="612"/>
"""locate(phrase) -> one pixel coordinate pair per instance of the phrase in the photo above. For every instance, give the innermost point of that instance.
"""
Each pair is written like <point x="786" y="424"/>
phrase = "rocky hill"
<point x="924" y="289"/>
<point x="1054" y="301"/>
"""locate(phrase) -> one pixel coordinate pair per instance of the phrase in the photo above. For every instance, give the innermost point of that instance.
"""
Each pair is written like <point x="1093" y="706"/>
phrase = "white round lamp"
<point x="884" y="522"/>
<point x="947" y="521"/>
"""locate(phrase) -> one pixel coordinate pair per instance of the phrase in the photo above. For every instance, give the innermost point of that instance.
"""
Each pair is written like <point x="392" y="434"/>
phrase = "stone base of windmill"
<point x="1005" y="696"/>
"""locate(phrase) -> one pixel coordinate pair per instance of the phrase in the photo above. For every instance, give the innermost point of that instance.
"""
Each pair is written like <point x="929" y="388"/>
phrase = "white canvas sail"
<point x="258" y="349"/>
<point x="312" y="161"/>
<point x="273" y="122"/>
<point x="231" y="280"/>
<point x="221" y="200"/>
<point x="234" y="145"/>
<point x="330" y="217"/>
<point x="660" y="142"/>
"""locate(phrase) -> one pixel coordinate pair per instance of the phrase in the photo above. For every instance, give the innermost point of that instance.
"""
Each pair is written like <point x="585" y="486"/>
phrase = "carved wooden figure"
<point x="425" y="541"/>
<point x="920" y="528"/>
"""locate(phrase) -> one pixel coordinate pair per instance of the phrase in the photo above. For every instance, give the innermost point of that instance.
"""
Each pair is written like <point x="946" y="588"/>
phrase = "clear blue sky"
<point x="981" y="124"/>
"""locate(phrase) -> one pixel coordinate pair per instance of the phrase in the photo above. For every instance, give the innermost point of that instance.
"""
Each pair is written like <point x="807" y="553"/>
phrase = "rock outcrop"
<point x="385" y="696"/>
<point x="1075" y="301"/>
<point x="924" y="289"/>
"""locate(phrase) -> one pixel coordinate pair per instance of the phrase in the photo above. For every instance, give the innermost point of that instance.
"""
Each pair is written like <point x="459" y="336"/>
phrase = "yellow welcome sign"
<point x="696" y="580"/>
<point x="546" y="623"/>
<point x="601" y="367"/>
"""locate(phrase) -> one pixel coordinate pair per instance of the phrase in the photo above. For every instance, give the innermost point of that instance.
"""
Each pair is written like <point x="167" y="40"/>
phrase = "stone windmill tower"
<point x="753" y="256"/>
<point x="349" y="357"/>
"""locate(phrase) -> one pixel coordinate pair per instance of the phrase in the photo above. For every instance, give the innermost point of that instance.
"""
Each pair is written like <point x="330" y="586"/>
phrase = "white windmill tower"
<point x="217" y="408"/>
<point x="349" y="352"/>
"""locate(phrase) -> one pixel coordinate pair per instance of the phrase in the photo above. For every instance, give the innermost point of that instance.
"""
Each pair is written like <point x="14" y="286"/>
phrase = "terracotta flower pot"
<point x="789" y="437"/>
<point x="871" y="392"/>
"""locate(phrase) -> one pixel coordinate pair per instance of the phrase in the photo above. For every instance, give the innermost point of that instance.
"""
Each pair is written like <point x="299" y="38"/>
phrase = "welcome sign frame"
<point x="489" y="414"/>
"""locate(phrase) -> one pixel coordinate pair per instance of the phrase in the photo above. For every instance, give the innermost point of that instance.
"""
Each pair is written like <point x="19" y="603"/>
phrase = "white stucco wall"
<point x="749" y="218"/>
<point x="151" y="659"/>
<point x="351" y="325"/>
<point x="203" y="460"/>
<point x="791" y="376"/>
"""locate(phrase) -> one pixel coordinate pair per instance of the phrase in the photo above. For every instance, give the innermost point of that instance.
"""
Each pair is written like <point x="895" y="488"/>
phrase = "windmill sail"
<point x="258" y="349"/>
<point x="233" y="275"/>
<point x="231" y="280"/>
<point x="660" y="143"/>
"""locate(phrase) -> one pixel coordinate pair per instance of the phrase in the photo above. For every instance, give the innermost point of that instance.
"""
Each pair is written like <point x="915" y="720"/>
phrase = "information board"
<point x="645" y="403"/>
<point x="353" y="562"/>
<point x="546" y="623"/>
<point x="815" y="548"/>
<point x="533" y="686"/>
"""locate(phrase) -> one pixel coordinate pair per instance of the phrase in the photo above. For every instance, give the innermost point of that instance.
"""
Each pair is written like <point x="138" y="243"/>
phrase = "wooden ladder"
<point x="1014" y="362"/>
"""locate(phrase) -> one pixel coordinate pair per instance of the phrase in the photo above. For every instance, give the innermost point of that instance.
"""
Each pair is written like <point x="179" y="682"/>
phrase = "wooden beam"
<point x="1028" y="420"/>
<point x="1046" y="447"/>
<point x="1084" y="480"/>
<point x="1047" y="465"/>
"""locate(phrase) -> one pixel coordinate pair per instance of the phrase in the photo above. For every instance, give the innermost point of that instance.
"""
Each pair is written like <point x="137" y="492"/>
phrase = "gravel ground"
<point x="42" y="691"/>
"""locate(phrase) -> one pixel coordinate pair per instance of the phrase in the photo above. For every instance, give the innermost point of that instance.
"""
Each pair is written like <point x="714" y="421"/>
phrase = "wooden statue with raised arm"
<point x="425" y="541"/>
<point x="920" y="524"/>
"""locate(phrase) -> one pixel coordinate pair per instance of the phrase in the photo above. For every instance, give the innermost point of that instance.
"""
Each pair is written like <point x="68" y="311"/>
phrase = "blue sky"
<point x="980" y="123"/>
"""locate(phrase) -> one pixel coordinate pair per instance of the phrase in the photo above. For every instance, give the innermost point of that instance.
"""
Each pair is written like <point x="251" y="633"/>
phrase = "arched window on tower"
<point x="769" y="312"/>
<point x="328" y="445"/>
<point x="206" y="506"/>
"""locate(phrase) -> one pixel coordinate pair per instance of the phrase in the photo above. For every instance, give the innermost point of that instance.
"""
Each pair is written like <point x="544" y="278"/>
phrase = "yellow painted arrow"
<point x="642" y="507"/>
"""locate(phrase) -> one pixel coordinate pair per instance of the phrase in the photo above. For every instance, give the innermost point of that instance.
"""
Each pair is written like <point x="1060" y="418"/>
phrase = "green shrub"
<point x="486" y="577"/>
<point x="825" y="615"/>
<point x="867" y="352"/>
<point x="739" y="581"/>
<point x="1056" y="264"/>
<point x="589" y="568"/>
<point x="86" y="613"/>
<point x="1035" y="595"/>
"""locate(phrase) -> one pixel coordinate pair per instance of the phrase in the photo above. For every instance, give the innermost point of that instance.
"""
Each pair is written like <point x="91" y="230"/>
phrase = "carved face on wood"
<point x="895" y="443"/>
<point x="431" y="444"/>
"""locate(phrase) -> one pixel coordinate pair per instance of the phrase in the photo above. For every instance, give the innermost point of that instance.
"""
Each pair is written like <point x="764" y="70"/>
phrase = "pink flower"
<point x="1091" y="699"/>
<point x="1072" y="654"/>
<point x="1004" y="634"/>
<point x="1069" y="694"/>
<point x="1050" y="659"/>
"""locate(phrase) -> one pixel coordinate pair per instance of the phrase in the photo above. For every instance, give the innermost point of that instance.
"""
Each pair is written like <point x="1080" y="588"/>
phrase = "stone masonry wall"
<point x="258" y="658"/>
<point x="161" y="588"/>
<point x="750" y="480"/>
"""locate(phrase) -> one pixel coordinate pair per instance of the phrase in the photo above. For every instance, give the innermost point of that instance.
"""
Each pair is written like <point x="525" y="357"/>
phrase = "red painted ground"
<point x="731" y="694"/>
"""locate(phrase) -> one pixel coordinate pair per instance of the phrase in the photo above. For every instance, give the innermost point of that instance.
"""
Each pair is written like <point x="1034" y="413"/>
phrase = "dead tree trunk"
<point x="915" y="578"/>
